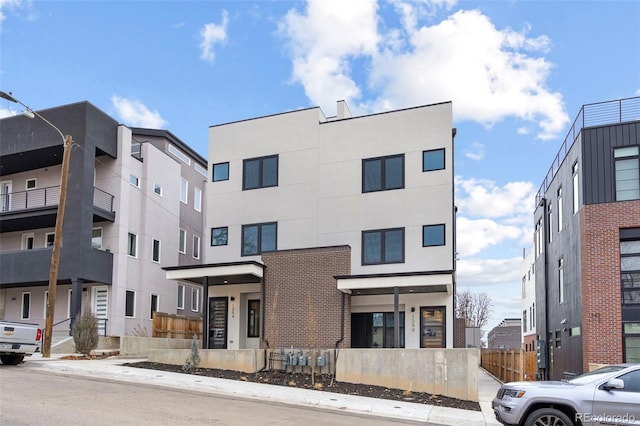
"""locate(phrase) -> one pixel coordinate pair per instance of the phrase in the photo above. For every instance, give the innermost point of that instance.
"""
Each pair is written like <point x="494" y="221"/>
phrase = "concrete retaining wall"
<point x="133" y="345"/>
<point x="448" y="372"/>
<point x="245" y="360"/>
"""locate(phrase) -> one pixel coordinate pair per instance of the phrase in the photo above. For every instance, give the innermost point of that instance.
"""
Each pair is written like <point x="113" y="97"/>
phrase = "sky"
<point x="517" y="73"/>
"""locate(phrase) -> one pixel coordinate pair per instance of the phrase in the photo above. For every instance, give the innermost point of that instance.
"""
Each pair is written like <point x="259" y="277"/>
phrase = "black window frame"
<point x="382" y="247"/>
<point x="616" y="159"/>
<point x="155" y="250"/>
<point x="213" y="171"/>
<point x="383" y="173"/>
<point x="130" y="304"/>
<point x="260" y="227"/>
<point x="444" y="159"/>
<point x="444" y="235"/>
<point x="253" y="318"/>
<point x="226" y="236"/>
<point x="154" y="303"/>
<point x="260" y="161"/>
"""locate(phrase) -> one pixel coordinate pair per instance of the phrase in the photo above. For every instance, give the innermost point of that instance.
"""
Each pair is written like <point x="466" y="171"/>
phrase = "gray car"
<point x="606" y="396"/>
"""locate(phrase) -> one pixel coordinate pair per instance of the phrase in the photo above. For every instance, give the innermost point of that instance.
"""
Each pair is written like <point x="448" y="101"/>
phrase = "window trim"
<point x="153" y="250"/>
<point x="196" y="247"/>
<point x="179" y="154"/>
<point x="255" y="331"/>
<point x="184" y="195"/>
<point x="132" y="244"/>
<point x="444" y="234"/>
<point x="195" y="296"/>
<point x="226" y="232"/>
<point x="575" y="182"/>
<point x="134" y="181"/>
<point x="151" y="311"/>
<point x="260" y="172"/>
<point x="181" y="291"/>
<point x="197" y="199"/>
<point x="213" y="171"/>
<point x="182" y="242"/>
<point x="133" y="302"/>
<point x="26" y="184"/>
<point x="46" y="239"/>
<point x="159" y="187"/>
<point x="444" y="159"/>
<point x="382" y="246"/>
<point x="259" y="241"/>
<point x="24" y="244"/>
<point x="625" y="157"/>
<point x="383" y="168"/>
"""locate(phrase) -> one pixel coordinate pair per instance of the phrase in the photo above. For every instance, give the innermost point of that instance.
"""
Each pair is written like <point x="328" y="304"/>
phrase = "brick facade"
<point x="302" y="302"/>
<point x="601" y="287"/>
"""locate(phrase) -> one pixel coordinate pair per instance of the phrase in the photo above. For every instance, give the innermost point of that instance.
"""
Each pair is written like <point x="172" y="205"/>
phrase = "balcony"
<point x="37" y="208"/>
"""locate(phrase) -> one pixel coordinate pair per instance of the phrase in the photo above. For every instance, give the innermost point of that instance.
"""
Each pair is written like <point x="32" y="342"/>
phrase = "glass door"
<point x="432" y="327"/>
<point x="218" y="308"/>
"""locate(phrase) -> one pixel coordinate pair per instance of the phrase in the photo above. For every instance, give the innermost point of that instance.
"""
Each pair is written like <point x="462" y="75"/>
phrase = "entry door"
<point x="100" y="307"/>
<point x="218" y="308"/>
<point x="5" y="195"/>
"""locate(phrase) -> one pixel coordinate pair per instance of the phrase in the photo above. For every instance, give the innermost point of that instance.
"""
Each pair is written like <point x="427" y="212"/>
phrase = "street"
<point x="29" y="397"/>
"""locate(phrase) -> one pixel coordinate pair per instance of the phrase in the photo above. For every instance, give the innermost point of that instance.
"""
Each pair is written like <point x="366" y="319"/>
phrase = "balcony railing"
<point x="47" y="197"/>
<point x="597" y="114"/>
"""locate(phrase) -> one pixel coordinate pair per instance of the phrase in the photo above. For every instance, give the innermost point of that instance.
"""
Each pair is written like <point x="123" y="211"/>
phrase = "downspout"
<point x="341" y="324"/>
<point x="263" y="308"/>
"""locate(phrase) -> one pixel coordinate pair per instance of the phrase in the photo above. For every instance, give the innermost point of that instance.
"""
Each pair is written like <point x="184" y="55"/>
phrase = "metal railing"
<point x="596" y="114"/>
<point x="48" y="197"/>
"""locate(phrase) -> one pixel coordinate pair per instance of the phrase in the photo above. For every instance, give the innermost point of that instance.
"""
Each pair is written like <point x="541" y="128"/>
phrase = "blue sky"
<point x="517" y="73"/>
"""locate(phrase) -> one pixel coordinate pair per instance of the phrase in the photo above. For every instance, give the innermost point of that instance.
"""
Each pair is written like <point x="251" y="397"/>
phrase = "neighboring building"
<point x="135" y="202"/>
<point x="506" y="335"/>
<point x="587" y="243"/>
<point x="330" y="231"/>
<point x="528" y="273"/>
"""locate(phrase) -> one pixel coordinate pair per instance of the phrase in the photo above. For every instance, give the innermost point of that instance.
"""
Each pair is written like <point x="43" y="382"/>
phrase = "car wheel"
<point x="548" y="417"/>
<point x="11" y="359"/>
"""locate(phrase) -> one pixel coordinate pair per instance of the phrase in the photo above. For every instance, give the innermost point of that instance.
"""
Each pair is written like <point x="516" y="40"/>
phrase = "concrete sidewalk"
<point x="112" y="369"/>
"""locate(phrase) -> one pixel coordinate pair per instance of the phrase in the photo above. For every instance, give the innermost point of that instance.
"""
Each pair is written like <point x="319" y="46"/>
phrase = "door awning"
<point x="407" y="282"/>
<point x="218" y="273"/>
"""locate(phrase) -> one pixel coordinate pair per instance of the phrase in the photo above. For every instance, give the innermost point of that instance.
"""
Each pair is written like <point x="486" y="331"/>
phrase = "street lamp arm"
<point x="10" y="98"/>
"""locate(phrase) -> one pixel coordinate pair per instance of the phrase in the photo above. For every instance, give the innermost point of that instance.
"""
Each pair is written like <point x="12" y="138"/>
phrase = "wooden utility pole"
<point x="57" y="244"/>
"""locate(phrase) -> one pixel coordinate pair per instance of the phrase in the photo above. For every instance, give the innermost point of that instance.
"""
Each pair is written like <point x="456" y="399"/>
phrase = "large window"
<point x="383" y="246"/>
<point x="627" y="173"/>
<point x="220" y="172"/>
<point x="259" y="238"/>
<point x="253" y="320"/>
<point x="132" y="245"/>
<point x="375" y="330"/>
<point x="383" y="173"/>
<point x="130" y="304"/>
<point x="260" y="172"/>
<point x="433" y="160"/>
<point x="219" y="236"/>
<point x="433" y="327"/>
<point x="433" y="235"/>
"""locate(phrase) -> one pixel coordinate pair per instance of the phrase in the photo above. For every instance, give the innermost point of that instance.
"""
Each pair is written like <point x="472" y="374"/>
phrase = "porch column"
<point x="76" y="301"/>
<point x="396" y="317"/>
<point x="205" y="314"/>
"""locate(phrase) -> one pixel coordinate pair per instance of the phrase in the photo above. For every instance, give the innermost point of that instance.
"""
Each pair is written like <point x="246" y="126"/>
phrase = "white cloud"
<point x="476" y="152"/>
<point x="212" y="34"/>
<point x="134" y="113"/>
<point x="484" y="198"/>
<point x="8" y="5"/>
<point x="483" y="272"/>
<point x="5" y="112"/>
<point x="475" y="235"/>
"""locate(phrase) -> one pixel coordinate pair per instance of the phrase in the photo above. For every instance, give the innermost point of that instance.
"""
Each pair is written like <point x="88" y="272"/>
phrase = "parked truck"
<point x="18" y="340"/>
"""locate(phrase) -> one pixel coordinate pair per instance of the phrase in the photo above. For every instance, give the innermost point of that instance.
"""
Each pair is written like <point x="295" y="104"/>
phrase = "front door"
<point x="100" y="307"/>
<point x="218" y="308"/>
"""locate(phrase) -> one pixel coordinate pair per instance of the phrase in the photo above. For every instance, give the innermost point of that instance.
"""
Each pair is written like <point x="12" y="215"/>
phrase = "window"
<point x="260" y="172"/>
<point x="30" y="183"/>
<point x="576" y="189"/>
<point x="627" y="173"/>
<point x="524" y="320"/>
<point x="184" y="190"/>
<point x="49" y="239"/>
<point x="383" y="246"/>
<point x="630" y="267"/>
<point x="200" y="169"/>
<point x="259" y="238"/>
<point x="180" y="296"/>
<point x="155" y="250"/>
<point x="26" y="306"/>
<point x="433" y="160"/>
<point x="219" y="236"/>
<point x="196" y="247"/>
<point x="533" y="315"/>
<point x="136" y="149"/>
<point x="558" y="338"/>
<point x="433" y="235"/>
<point x="153" y="305"/>
<point x="432" y="327"/>
<point x="197" y="199"/>
<point x="561" y="280"/>
<point x="375" y="330"/>
<point x="130" y="304"/>
<point x="220" y="172"/>
<point x="560" y="222"/>
<point x="132" y="245"/>
<point x="182" y="243"/>
<point x="632" y="342"/>
<point x="253" y="320"/>
<point x="181" y="155"/>
<point x="96" y="238"/>
<point x="550" y="224"/>
<point x="133" y="180"/>
<point x="157" y="189"/>
<point x="195" y="299"/>
<point x="383" y="173"/>
<point x="28" y="241"/>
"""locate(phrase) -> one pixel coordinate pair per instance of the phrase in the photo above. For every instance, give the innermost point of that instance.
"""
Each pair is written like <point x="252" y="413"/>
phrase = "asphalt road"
<point x="37" y="398"/>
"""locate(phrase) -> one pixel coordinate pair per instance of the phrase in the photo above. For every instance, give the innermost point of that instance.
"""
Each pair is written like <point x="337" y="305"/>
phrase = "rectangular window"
<point x="28" y="241"/>
<point x="26" y="306"/>
<point x="130" y="304"/>
<point x="558" y="339"/>
<point x="560" y="222"/>
<point x="433" y="160"/>
<point x="631" y="342"/>
<point x="259" y="238"/>
<point x="196" y="247"/>
<point x="184" y="190"/>
<point x="181" y="155"/>
<point x="376" y="330"/>
<point x="561" y="280"/>
<point x="133" y="180"/>
<point x="30" y="183"/>
<point x="180" y="296"/>
<point x="157" y="189"/>
<point x="219" y="236"/>
<point x="432" y="327"/>
<point x="383" y="246"/>
<point x="253" y="319"/>
<point x="200" y="169"/>
<point x="197" y="199"/>
<point x="260" y="172"/>
<point x="154" y="305"/>
<point x="155" y="250"/>
<point x="630" y="270"/>
<point x="383" y="173"/>
<point x="136" y="149"/>
<point x="220" y="172"/>
<point x="433" y="235"/>
<point x="132" y="245"/>
<point x="524" y="320"/>
<point x="49" y="239"/>
<point x="549" y="224"/>
<point x="195" y="299"/>
<point x="576" y="189"/>
<point x="182" y="242"/>
<point x="627" y="165"/>
<point x="96" y="238"/>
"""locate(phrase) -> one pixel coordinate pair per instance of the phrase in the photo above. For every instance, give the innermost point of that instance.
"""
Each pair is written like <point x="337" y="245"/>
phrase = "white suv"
<point x="607" y="396"/>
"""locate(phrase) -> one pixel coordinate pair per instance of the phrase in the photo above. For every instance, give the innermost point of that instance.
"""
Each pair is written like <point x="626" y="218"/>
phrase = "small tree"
<point x="193" y="360"/>
<point x="85" y="333"/>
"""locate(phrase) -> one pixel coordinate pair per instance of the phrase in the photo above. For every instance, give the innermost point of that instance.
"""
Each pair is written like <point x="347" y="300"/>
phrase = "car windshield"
<point x="595" y="374"/>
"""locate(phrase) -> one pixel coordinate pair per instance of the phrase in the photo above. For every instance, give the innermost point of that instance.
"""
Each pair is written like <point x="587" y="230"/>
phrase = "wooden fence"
<point x="508" y="365"/>
<point x="176" y="326"/>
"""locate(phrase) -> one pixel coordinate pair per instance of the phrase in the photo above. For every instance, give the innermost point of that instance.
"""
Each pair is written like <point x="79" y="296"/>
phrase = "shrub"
<point x="193" y="360"/>
<point x="85" y="333"/>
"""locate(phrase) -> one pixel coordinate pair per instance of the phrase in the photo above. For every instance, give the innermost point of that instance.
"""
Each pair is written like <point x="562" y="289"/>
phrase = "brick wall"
<point x="600" y="263"/>
<point x="302" y="302"/>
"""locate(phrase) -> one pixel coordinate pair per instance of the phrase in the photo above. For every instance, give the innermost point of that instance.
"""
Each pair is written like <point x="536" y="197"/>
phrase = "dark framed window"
<point x="433" y="235"/>
<point x="154" y="305"/>
<point x="259" y="238"/>
<point x="630" y="266"/>
<point x="631" y="342"/>
<point x="260" y="172"/>
<point x="383" y="173"/>
<point x="627" y="167"/>
<point x="433" y="327"/>
<point x="376" y="330"/>
<point x="180" y="296"/>
<point x="220" y="172"/>
<point x="253" y="319"/>
<point x="219" y="236"/>
<point x="130" y="304"/>
<point x="383" y="246"/>
<point x="433" y="159"/>
<point x="26" y="306"/>
<point x="155" y="253"/>
<point x="132" y="245"/>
